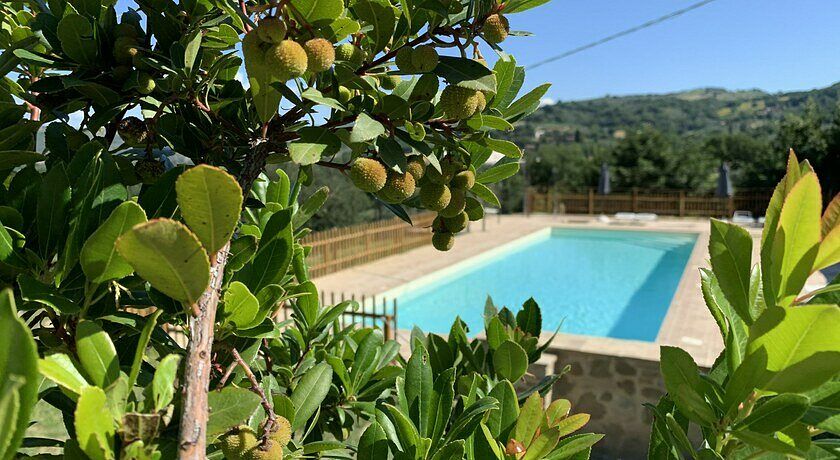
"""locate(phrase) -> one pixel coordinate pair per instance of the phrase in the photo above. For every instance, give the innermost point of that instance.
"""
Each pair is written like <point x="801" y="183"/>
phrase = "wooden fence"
<point x="667" y="202"/>
<point x="339" y="248"/>
<point x="373" y="311"/>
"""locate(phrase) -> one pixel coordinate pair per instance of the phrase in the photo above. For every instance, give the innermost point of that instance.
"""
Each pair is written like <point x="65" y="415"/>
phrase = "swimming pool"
<point x="606" y="283"/>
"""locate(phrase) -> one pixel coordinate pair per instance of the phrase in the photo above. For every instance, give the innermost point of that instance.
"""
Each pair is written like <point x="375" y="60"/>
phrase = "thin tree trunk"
<point x="194" y="412"/>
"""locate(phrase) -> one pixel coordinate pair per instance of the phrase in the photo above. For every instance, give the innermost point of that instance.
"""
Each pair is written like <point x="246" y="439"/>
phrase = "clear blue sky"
<point x="773" y="45"/>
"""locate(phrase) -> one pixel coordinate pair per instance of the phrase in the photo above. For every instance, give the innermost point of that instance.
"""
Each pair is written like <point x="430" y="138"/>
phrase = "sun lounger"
<point x="635" y="217"/>
<point x="743" y="218"/>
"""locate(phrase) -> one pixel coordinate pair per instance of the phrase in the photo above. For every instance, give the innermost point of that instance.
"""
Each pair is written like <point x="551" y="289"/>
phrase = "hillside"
<point x="696" y="112"/>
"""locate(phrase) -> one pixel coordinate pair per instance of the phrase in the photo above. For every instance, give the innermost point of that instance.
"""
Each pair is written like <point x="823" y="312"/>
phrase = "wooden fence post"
<point x="591" y="202"/>
<point x="635" y="200"/>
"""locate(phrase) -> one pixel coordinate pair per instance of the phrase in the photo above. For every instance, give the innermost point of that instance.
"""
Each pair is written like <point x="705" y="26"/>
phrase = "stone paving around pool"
<point x="609" y="378"/>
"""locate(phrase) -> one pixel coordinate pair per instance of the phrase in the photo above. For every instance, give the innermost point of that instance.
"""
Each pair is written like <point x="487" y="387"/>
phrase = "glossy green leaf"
<point x="767" y="442"/>
<point x="497" y="173"/>
<point x="800" y="344"/>
<point x="142" y="343"/>
<point x="310" y="393"/>
<point x="481" y="191"/>
<point x="170" y="257"/>
<point x="419" y="389"/>
<point x="796" y="241"/>
<point x="310" y="207"/>
<point x="51" y="213"/>
<point x="62" y="371"/>
<point x="33" y="290"/>
<point x="467" y="73"/>
<point x="777" y="413"/>
<point x="528" y="103"/>
<point x="568" y="447"/>
<point x="97" y="354"/>
<point x="229" y="407"/>
<point x="99" y="258"/>
<point x="210" y="200"/>
<point x="314" y="143"/>
<point x="510" y="361"/>
<point x="18" y="374"/>
<point x="502" y="421"/>
<point x="319" y="10"/>
<point x="365" y="129"/>
<point x="77" y="38"/>
<point x="373" y="445"/>
<point x="730" y="251"/>
<point x="94" y="428"/>
<point x="379" y="14"/>
<point x="682" y="379"/>
<point x="530" y="419"/>
<point x="240" y="307"/>
<point x="163" y="383"/>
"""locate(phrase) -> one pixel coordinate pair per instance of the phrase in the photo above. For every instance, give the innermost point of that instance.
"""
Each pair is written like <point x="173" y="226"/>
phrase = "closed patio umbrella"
<point x="724" y="184"/>
<point x="604" y="180"/>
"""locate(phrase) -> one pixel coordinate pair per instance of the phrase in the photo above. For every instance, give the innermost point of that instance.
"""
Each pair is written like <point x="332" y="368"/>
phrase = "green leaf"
<point x="510" y="361"/>
<point x="530" y="419"/>
<point x="829" y="252"/>
<point x="210" y="201"/>
<point x="506" y="148"/>
<point x="518" y="6"/>
<point x="163" y="383"/>
<point x="229" y="408"/>
<point x="339" y="29"/>
<point x="528" y="103"/>
<point x="314" y="143"/>
<point x="730" y="251"/>
<point x="777" y="413"/>
<point x="77" y="38"/>
<point x="466" y="73"/>
<point x="366" y="129"/>
<point x="373" y="445"/>
<point x="800" y="344"/>
<point x="497" y="173"/>
<point x="380" y="15"/>
<point x="97" y="354"/>
<point x="310" y="207"/>
<point x="18" y="374"/>
<point x="33" y="290"/>
<point x="483" y="192"/>
<point x="796" y="241"/>
<point x="266" y="97"/>
<point x="62" y="371"/>
<point x="310" y="393"/>
<point x="13" y="158"/>
<point x="502" y="421"/>
<point x="768" y="443"/>
<point x="308" y="303"/>
<point x="319" y="10"/>
<point x="419" y="389"/>
<point x="94" y="427"/>
<point x="53" y="201"/>
<point x="529" y="319"/>
<point x="542" y="444"/>
<point x="683" y="382"/>
<point x="167" y="255"/>
<point x="572" y="423"/>
<point x="240" y="307"/>
<point x="273" y="255"/>
<point x="99" y="258"/>
<point x="314" y="95"/>
<point x="496" y="333"/>
<point x="142" y="343"/>
<point x="572" y="445"/>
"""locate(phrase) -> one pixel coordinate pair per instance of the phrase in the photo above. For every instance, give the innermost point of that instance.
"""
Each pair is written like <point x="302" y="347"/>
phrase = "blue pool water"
<point x="607" y="283"/>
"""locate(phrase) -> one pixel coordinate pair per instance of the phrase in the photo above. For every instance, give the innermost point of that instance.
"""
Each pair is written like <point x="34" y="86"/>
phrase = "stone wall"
<point x="612" y="390"/>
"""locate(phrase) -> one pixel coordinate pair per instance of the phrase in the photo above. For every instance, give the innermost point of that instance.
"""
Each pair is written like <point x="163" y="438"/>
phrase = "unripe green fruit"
<point x="456" y="224"/>
<point x="496" y="28"/>
<point x="416" y="167"/>
<point x="126" y="30"/>
<point x="368" y="175"/>
<point x="390" y="81"/>
<point x="481" y="102"/>
<point x="145" y="83"/>
<point x="320" y="55"/>
<point x="398" y="188"/>
<point x="282" y="432"/>
<point x="125" y="48"/>
<point x="404" y="60"/>
<point x="438" y="177"/>
<point x="133" y="131"/>
<point x="424" y="58"/>
<point x="286" y="60"/>
<point x="238" y="442"/>
<point x="148" y="170"/>
<point x="435" y="197"/>
<point x="252" y="50"/>
<point x="426" y="88"/>
<point x="459" y="103"/>
<point x="350" y="54"/>
<point x="270" y="451"/>
<point x="271" y="30"/>
<point x="464" y="180"/>
<point x="456" y="204"/>
<point x="443" y="241"/>
<point x="344" y="94"/>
